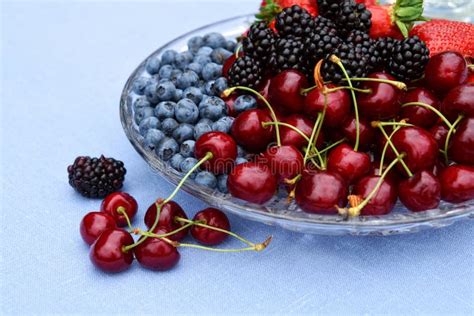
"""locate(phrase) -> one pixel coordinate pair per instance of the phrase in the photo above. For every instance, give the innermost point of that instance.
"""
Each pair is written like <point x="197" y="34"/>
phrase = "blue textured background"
<point x="63" y="68"/>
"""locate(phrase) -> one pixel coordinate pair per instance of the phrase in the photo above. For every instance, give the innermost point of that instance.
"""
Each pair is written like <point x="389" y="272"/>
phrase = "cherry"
<point x="461" y="148"/>
<point x="252" y="182"/>
<point x="285" y="91"/>
<point x="384" y="199"/>
<point x="367" y="133"/>
<point x="383" y="102"/>
<point x="439" y="133"/>
<point x="168" y="214"/>
<point x="248" y="131"/>
<point x="457" y="183"/>
<point x="228" y="64"/>
<point x="459" y="100"/>
<point x="264" y="90"/>
<point x="286" y="161"/>
<point x="94" y="224"/>
<point x="416" y="114"/>
<point x="119" y="201"/>
<point x="445" y="71"/>
<point x="320" y="192"/>
<point x="212" y="217"/>
<point x="305" y="125"/>
<point x="420" y="192"/>
<point x="350" y="164"/>
<point x="107" y="252"/>
<point x="230" y="101"/>
<point x="223" y="148"/>
<point x="338" y="105"/>
<point x="391" y="176"/>
<point x="157" y="254"/>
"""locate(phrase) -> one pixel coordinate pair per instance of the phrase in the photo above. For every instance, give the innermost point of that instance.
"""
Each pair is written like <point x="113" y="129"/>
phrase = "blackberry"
<point x="96" y="177"/>
<point x="321" y="22"/>
<point x="329" y="8"/>
<point x="353" y="16"/>
<point x="321" y="43"/>
<point x="245" y="71"/>
<point x="353" y="60"/>
<point x="383" y="50"/>
<point x="294" y="21"/>
<point x="290" y="54"/>
<point x="259" y="42"/>
<point x="408" y="60"/>
<point x="365" y="45"/>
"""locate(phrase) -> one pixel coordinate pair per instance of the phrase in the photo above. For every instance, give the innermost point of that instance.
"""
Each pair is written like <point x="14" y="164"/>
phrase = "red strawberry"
<point x="444" y="35"/>
<point x="367" y="2"/>
<point x="270" y="8"/>
<point x="309" y="5"/>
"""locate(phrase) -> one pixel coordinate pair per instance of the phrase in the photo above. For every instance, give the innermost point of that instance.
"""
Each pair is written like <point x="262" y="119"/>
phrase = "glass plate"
<point x="278" y="211"/>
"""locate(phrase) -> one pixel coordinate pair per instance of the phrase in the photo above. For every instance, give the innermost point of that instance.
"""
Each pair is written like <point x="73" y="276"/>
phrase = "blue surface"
<point x="64" y="65"/>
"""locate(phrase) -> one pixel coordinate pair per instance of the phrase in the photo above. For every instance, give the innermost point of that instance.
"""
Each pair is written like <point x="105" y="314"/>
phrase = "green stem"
<point x="429" y="107"/>
<point x="322" y="151"/>
<point x="384" y="151"/>
<point x="121" y="210"/>
<point x="399" y="124"/>
<point x="395" y="150"/>
<point x="265" y="124"/>
<point x="311" y="140"/>
<point x="398" y="84"/>
<point x="448" y="137"/>
<point x="307" y="90"/>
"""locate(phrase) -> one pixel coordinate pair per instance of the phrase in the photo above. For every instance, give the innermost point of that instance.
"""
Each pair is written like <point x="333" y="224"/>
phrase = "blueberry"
<point x="201" y="129"/>
<point x="168" y="57"/>
<point x="139" y="85"/>
<point x="183" y="132"/>
<point x="244" y="102"/>
<point x="168" y="126"/>
<point x="166" y="91"/>
<point x="178" y="95"/>
<point x="183" y="59"/>
<point x="205" y="51"/>
<point x="176" y="160"/>
<point x="187" y="79"/>
<point x="194" y="43"/>
<point x="165" y="109"/>
<point x="153" y="65"/>
<point x="205" y="121"/>
<point x="219" y="86"/>
<point x="166" y="148"/>
<point x="186" y="111"/>
<point x="187" y="164"/>
<point x="231" y="46"/>
<point x="175" y="75"/>
<point x="240" y="160"/>
<point x="208" y="88"/>
<point x="165" y="72"/>
<point x="222" y="183"/>
<point x="194" y="94"/>
<point x="187" y="148"/>
<point x="240" y="152"/>
<point x="153" y="137"/>
<point x="196" y="67"/>
<point x="202" y="59"/>
<point x="220" y="55"/>
<point x="214" y="40"/>
<point x="207" y="179"/>
<point x="223" y="124"/>
<point x="143" y="113"/>
<point x="212" y="108"/>
<point x="140" y="102"/>
<point x="211" y="71"/>
<point x="151" y="93"/>
<point x="149" y="122"/>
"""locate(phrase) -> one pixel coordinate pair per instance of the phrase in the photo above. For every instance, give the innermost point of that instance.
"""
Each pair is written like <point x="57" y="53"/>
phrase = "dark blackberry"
<point x="290" y="54"/>
<point x="96" y="177"/>
<point x="321" y="22"/>
<point x="365" y="45"/>
<point x="408" y="60"/>
<point x="353" y="60"/>
<point x="245" y="71"/>
<point x="329" y="8"/>
<point x="383" y="50"/>
<point x="321" y="43"/>
<point x="294" y="21"/>
<point x="259" y="42"/>
<point x="353" y="16"/>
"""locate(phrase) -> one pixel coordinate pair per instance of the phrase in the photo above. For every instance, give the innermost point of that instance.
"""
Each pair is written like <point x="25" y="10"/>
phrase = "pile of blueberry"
<point x="178" y="99"/>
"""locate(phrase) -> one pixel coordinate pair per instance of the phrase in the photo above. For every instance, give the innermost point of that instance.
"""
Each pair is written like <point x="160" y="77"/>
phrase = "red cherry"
<point x="116" y="200"/>
<point x="384" y="199"/>
<point x="305" y="125"/>
<point x="228" y="64"/>
<point x="223" y="148"/>
<point x="157" y="254"/>
<point x="286" y="162"/>
<point x="391" y="176"/>
<point x="419" y="115"/>
<point x="439" y="133"/>
<point x="252" y="182"/>
<point x="94" y="224"/>
<point x="107" y="252"/>
<point x="457" y="183"/>
<point x="168" y="214"/>
<point x="367" y="133"/>
<point x="459" y="100"/>
<point x="263" y="90"/>
<point x="229" y="101"/>
<point x="350" y="164"/>
<point x="212" y="217"/>
<point x="382" y="102"/>
<point x="248" y="131"/>
<point x="285" y="91"/>
<point x="338" y="105"/>
<point x="445" y="71"/>
<point x="461" y="148"/>
<point x="320" y="192"/>
<point x="420" y="192"/>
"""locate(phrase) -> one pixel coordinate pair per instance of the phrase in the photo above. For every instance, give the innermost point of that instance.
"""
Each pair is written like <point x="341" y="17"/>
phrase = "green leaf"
<point x="403" y="28"/>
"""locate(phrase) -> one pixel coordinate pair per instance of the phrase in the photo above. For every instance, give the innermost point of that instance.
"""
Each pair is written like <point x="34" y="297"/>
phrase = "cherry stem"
<point x="330" y="90"/>
<point x="398" y="84"/>
<point x="294" y="128"/>
<point x="338" y="62"/>
<point x="451" y="131"/>
<point x="229" y="91"/>
<point x="256" y="247"/>
<point x="395" y="150"/>
<point x="397" y="124"/>
<point x="311" y="140"/>
<point x="237" y="51"/>
<point x="322" y="151"/>
<point x="384" y="151"/>
<point x="121" y="210"/>
<point x="429" y="107"/>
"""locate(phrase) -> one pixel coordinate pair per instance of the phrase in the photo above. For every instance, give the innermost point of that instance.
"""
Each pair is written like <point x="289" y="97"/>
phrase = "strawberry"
<point x="270" y="8"/>
<point x="444" y="35"/>
<point x="367" y="2"/>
